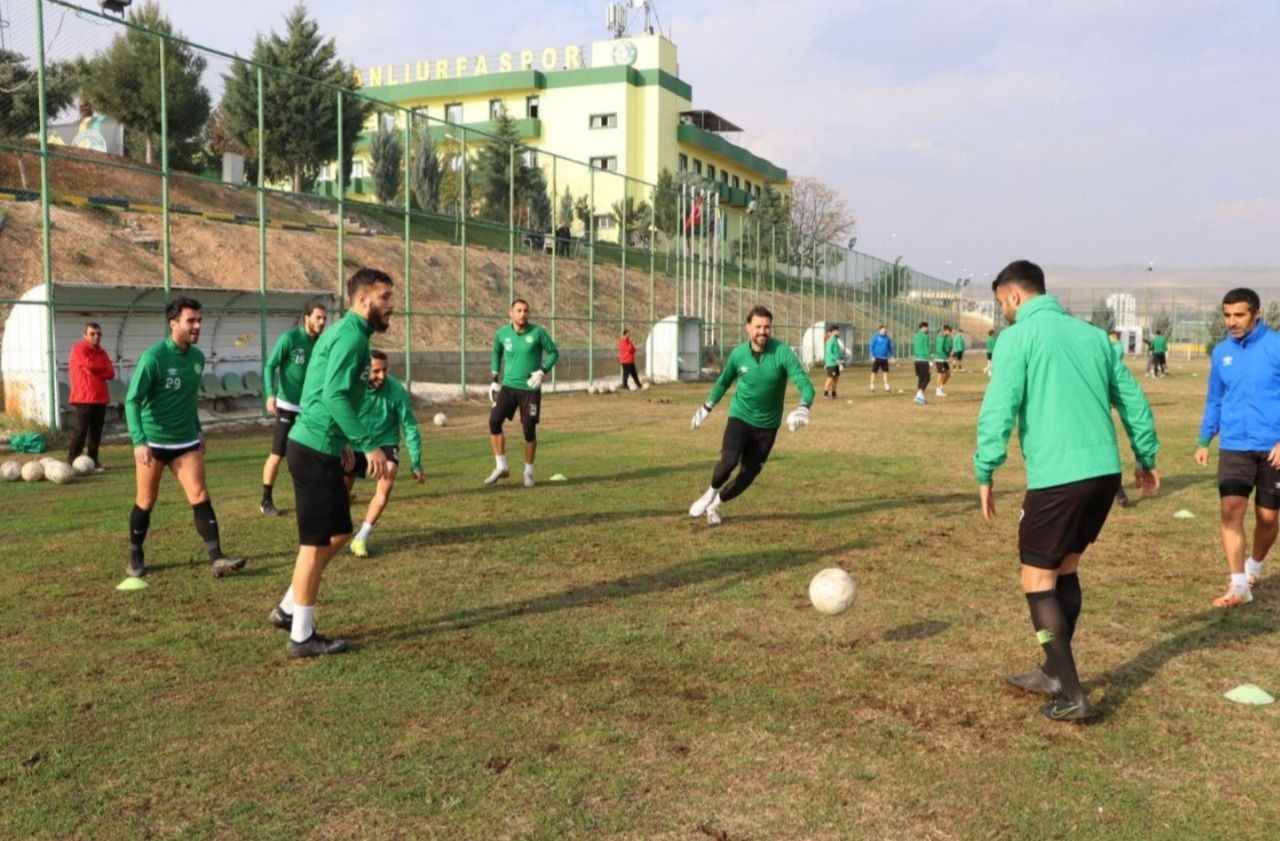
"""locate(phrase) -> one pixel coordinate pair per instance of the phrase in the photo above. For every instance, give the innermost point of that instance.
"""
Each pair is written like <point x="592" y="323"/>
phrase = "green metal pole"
<point x="164" y="177"/>
<point x="773" y="264"/>
<point x="555" y="251"/>
<point x="262" y="229"/>
<point x="653" y="236"/>
<point x="462" y="263"/>
<point x="622" y="291"/>
<point x="408" y="253"/>
<point x="46" y="225"/>
<point x="591" y="284"/>
<point x="511" y="224"/>
<point x="342" y="213"/>
<point x="740" y="260"/>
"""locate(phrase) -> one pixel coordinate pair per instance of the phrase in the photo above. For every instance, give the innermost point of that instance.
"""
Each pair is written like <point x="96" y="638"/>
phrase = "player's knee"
<point x="495" y="424"/>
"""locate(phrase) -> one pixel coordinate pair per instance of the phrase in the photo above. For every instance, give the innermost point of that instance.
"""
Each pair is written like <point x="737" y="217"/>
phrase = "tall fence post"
<point x="46" y="225"/>
<point x="591" y="282"/>
<point x="511" y="224"/>
<point x="262" y="228"/>
<point x="555" y="251"/>
<point x="622" y="287"/>
<point x="342" y="210"/>
<point x="462" y="262"/>
<point x="408" y="251"/>
<point x="167" y="257"/>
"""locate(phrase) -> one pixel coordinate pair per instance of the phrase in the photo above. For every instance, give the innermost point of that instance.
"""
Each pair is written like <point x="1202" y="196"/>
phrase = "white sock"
<point x="286" y="604"/>
<point x="304" y="623"/>
<point x="1240" y="582"/>
<point x="1252" y="567"/>
<point x="528" y="469"/>
<point x="365" y="528"/>
<point x="501" y="461"/>
<point x="919" y="393"/>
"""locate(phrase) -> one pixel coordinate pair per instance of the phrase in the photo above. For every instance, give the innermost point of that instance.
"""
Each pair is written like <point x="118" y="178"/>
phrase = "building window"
<point x="724" y="177"/>
<point x="496" y="109"/>
<point x="737" y="185"/>
<point x="357" y="169"/>
<point x="529" y="157"/>
<point x="711" y="172"/>
<point x="747" y="184"/>
<point x="531" y="104"/>
<point x="604" y="121"/>
<point x="605" y="164"/>
<point x="757" y="191"/>
<point x="453" y="113"/>
<point x="682" y="163"/>
<point x="697" y="167"/>
<point x="605" y="222"/>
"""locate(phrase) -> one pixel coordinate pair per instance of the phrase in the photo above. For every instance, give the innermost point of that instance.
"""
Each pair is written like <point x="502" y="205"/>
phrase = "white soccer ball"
<point x="644" y="387"/>
<point x="32" y="471"/>
<point x="613" y="388"/>
<point x="11" y="471"/>
<point x="45" y="461"/>
<point x="832" y="591"/>
<point x="591" y="389"/>
<point x="59" y="472"/>
<point x="441" y="419"/>
<point x="83" y="465"/>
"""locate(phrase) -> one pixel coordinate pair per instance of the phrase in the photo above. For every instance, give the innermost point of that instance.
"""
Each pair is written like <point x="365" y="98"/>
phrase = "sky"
<point x="962" y="134"/>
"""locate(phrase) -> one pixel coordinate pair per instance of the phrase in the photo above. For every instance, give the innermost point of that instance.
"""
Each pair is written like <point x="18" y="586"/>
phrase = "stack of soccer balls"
<point x="58" y="472"/>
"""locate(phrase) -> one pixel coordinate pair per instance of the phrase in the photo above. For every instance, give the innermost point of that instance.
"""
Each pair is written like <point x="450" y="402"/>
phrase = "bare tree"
<point x="818" y="215"/>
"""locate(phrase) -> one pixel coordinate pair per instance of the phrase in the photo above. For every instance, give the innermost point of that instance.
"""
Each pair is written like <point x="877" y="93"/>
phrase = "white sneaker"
<point x="713" y="517"/>
<point x="498" y="473"/>
<point x="702" y="503"/>
<point x="872" y="387"/>
<point x="939" y="393"/>
<point x="887" y="389"/>
<point x="528" y="478"/>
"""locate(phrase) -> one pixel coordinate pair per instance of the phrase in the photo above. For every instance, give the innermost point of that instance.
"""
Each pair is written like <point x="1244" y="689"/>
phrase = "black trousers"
<point x="629" y="370"/>
<point x="745" y="447"/>
<point x="87" y="429"/>
<point x="922" y="375"/>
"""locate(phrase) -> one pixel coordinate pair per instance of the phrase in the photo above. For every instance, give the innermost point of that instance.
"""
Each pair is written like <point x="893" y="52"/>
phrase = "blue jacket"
<point x="881" y="346"/>
<point x="1243" y="403"/>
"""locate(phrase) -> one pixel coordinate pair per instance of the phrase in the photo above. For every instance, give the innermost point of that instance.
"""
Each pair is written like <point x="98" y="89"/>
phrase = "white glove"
<point x="536" y="378"/>
<point x="494" y="389"/>
<point x="699" y="416"/>
<point x="841" y="366"/>
<point x="798" y="418"/>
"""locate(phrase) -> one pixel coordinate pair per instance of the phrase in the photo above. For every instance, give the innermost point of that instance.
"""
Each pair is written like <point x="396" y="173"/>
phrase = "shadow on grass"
<point x="513" y="484"/>
<point x="1209" y="629"/>
<point x="916" y="631"/>
<point x="730" y="569"/>
<point x="1168" y="485"/>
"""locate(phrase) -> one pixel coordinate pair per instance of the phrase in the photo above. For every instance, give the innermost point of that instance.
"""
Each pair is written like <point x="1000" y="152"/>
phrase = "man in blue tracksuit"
<point x="1243" y="407"/>
<point x="881" y="353"/>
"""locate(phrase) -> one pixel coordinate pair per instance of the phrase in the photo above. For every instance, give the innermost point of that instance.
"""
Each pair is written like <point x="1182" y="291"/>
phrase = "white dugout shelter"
<point x="240" y="327"/>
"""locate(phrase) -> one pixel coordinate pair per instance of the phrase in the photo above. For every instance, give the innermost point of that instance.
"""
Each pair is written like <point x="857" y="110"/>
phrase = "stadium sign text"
<point x="572" y="57"/>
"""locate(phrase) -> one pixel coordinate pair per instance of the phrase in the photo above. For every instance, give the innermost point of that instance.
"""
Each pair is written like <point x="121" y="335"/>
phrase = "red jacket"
<point x="90" y="370"/>
<point x="626" y="351"/>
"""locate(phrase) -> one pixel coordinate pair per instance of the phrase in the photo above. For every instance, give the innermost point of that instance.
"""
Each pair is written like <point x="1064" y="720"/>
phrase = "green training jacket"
<point x="518" y="354"/>
<point x="335" y="388"/>
<point x="942" y="346"/>
<point x="762" y="383"/>
<point x="833" y="352"/>
<point x="991" y="344"/>
<point x="1057" y="378"/>
<point x="289" y="357"/>
<point x="957" y="343"/>
<point x="920" y="345"/>
<point x="1159" y="344"/>
<point x="387" y="411"/>
<point x="161" y="406"/>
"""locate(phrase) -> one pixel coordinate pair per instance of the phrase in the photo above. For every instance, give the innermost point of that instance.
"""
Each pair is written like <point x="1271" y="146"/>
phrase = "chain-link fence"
<point x="132" y="158"/>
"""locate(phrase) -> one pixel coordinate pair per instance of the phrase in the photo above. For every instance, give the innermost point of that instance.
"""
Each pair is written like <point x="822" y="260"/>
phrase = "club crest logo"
<point x="172" y="372"/>
<point x="743" y="369"/>
<point x="506" y="344"/>
<point x="1226" y="362"/>
<point x="528" y="340"/>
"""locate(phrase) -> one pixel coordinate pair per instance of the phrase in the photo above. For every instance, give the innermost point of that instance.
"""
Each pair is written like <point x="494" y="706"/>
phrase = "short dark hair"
<point x="1243" y="295"/>
<point x="881" y="327"/>
<point x="1115" y="332"/>
<point x="759" y="310"/>
<point x="173" y="310"/>
<point x="991" y="332"/>
<point x="923" y="324"/>
<point x="946" y="327"/>
<point x="95" y="325"/>
<point x="315" y="304"/>
<point x="364" y="278"/>
<point x="378" y="354"/>
<point x="833" y="328"/>
<point x="520" y="301"/>
<point x="626" y="331"/>
<point x="1022" y="273"/>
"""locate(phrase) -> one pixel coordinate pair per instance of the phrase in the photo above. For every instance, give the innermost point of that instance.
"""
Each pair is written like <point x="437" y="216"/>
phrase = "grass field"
<point x="584" y="661"/>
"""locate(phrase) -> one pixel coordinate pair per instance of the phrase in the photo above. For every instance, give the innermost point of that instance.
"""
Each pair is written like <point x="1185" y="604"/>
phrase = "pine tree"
<point x="425" y="172"/>
<point x="301" y="116"/>
<point x="19" y="98"/>
<point x="387" y="158"/>
<point x="124" y="82"/>
<point x="492" y="169"/>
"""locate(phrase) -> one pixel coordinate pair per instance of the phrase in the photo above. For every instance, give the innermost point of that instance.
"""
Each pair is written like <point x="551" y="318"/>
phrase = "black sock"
<point x="139" y="522"/>
<point x="207" y="526"/>
<point x="1071" y="599"/>
<point x="1054" y="635"/>
<point x="266" y="494"/>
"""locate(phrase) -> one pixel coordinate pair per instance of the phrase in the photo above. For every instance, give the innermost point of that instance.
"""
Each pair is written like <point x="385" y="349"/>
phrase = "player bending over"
<point x="762" y="366"/>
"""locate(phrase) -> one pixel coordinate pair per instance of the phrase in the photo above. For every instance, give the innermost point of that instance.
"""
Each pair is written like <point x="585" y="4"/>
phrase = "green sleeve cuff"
<point x="1202" y="442"/>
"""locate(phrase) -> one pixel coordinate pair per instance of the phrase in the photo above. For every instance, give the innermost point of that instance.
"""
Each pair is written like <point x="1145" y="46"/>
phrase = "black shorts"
<point x="958" y="356"/>
<point x="1158" y="358"/>
<point x="989" y="355"/>
<point x="168" y="455"/>
<point x="320" y="495"/>
<point x="943" y="366"/>
<point x="833" y="371"/>
<point x="1064" y="519"/>
<point x="746" y="444"/>
<point x="880" y="365"/>
<point x="361" y="467"/>
<point x="280" y="431"/>
<point x="1240" y="471"/>
<point x="509" y="399"/>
